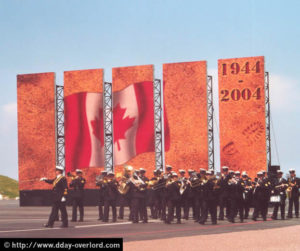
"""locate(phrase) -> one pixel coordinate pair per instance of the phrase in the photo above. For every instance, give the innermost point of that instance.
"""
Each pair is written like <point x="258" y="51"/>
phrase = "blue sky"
<point x="58" y="35"/>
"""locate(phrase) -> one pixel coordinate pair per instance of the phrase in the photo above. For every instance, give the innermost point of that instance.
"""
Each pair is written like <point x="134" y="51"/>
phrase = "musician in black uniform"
<point x="294" y="185"/>
<point x="166" y="176"/>
<point x="77" y="184"/>
<point x="209" y="199"/>
<point x="190" y="195"/>
<point x="143" y="203"/>
<point x="261" y="197"/>
<point x="224" y="193"/>
<point x="101" y="179"/>
<point x="184" y="196"/>
<point x="173" y="198"/>
<point x="151" y="197"/>
<point x="280" y="186"/>
<point x="198" y="194"/>
<point x="59" y="193"/>
<point x="137" y="198"/>
<point x="248" y="193"/>
<point x="236" y="190"/>
<point x="110" y="190"/>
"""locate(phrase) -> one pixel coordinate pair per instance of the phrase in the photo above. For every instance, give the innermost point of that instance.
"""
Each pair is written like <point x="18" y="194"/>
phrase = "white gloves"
<point x="63" y="199"/>
<point x="43" y="179"/>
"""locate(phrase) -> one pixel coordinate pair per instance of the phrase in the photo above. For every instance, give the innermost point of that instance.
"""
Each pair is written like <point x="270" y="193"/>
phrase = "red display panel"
<point x="242" y="114"/>
<point x="186" y="109"/>
<point x="76" y="82"/>
<point x="36" y="129"/>
<point x="123" y="77"/>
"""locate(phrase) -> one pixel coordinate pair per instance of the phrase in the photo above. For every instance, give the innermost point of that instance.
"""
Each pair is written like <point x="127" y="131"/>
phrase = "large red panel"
<point x="36" y="129"/>
<point x="242" y="114"/>
<point x="123" y="77"/>
<point x="186" y="109"/>
<point x="85" y="81"/>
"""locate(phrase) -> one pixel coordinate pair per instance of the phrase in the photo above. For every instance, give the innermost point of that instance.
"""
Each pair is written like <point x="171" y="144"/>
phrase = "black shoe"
<point x="81" y="220"/>
<point x="178" y="222"/>
<point x="264" y="219"/>
<point x="201" y="222"/>
<point x="73" y="220"/>
<point x="120" y="217"/>
<point x="214" y="223"/>
<point x="47" y="225"/>
<point x="145" y="221"/>
<point x="241" y="221"/>
<point x="63" y="226"/>
<point x="220" y="218"/>
<point x="114" y="220"/>
<point x="274" y="218"/>
<point x="167" y="222"/>
<point x="254" y="219"/>
<point x="135" y="222"/>
<point x="297" y="216"/>
<point x="290" y="216"/>
<point x="105" y="220"/>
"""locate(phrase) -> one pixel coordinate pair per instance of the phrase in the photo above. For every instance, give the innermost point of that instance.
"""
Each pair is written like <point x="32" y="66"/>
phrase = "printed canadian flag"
<point x="133" y="122"/>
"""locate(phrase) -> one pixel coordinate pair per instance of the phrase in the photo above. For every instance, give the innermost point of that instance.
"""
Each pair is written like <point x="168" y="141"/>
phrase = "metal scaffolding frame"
<point x="108" y="126"/>
<point x="60" y="125"/>
<point x="158" y="125"/>
<point x="210" y="123"/>
<point x="268" y="120"/>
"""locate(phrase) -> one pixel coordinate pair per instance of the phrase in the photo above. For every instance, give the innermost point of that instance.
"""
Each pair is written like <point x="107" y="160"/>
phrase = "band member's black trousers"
<point x="224" y="203"/>
<point x="198" y="202"/>
<point x="173" y="204"/>
<point x="236" y="206"/>
<point x="211" y="207"/>
<point x="260" y="206"/>
<point x="294" y="200"/>
<point x="58" y="205"/>
<point x="77" y="202"/>
<point x="100" y="210"/>
<point x="281" y="204"/>
<point x="143" y="209"/>
<point x="136" y="208"/>
<point x="112" y="204"/>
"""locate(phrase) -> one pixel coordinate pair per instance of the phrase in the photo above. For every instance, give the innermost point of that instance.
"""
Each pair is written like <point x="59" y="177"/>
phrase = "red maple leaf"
<point x="121" y="125"/>
<point x="97" y="125"/>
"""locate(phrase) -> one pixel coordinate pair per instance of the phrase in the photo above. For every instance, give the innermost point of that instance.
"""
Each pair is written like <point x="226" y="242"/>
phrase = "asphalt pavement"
<point x="28" y="222"/>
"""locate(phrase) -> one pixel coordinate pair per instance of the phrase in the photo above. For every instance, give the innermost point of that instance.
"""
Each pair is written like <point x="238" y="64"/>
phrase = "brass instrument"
<point x="159" y="185"/>
<point x="291" y="184"/>
<point x="138" y="182"/>
<point x="196" y="181"/>
<point x="183" y="186"/>
<point x="123" y="185"/>
<point x="73" y="176"/>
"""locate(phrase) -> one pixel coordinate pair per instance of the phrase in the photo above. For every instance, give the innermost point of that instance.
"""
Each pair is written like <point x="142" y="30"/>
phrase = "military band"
<point x="170" y="196"/>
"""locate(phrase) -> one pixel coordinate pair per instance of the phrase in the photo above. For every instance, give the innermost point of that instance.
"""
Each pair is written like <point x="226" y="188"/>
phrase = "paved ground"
<point x="19" y="222"/>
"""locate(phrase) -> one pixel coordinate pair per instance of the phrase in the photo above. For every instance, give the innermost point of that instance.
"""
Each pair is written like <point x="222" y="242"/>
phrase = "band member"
<point x="224" y="193"/>
<point x="197" y="188"/>
<point x="184" y="193"/>
<point x="110" y="190"/>
<point x="59" y="193"/>
<point x="137" y="198"/>
<point x="190" y="196"/>
<point x="236" y="190"/>
<point x="77" y="184"/>
<point x="100" y="180"/>
<point x="124" y="196"/>
<point x="157" y="193"/>
<point x="261" y="197"/>
<point x="293" y="193"/>
<point x="248" y="193"/>
<point x="164" y="179"/>
<point x="173" y="198"/>
<point x="209" y="199"/>
<point x="280" y="186"/>
<point x="151" y="196"/>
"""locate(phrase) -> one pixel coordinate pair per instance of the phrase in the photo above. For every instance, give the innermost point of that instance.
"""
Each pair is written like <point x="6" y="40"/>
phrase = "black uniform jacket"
<point x="60" y="187"/>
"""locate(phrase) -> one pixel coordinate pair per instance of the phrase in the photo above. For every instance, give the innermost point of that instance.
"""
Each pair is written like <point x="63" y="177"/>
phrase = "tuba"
<point x="123" y="186"/>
